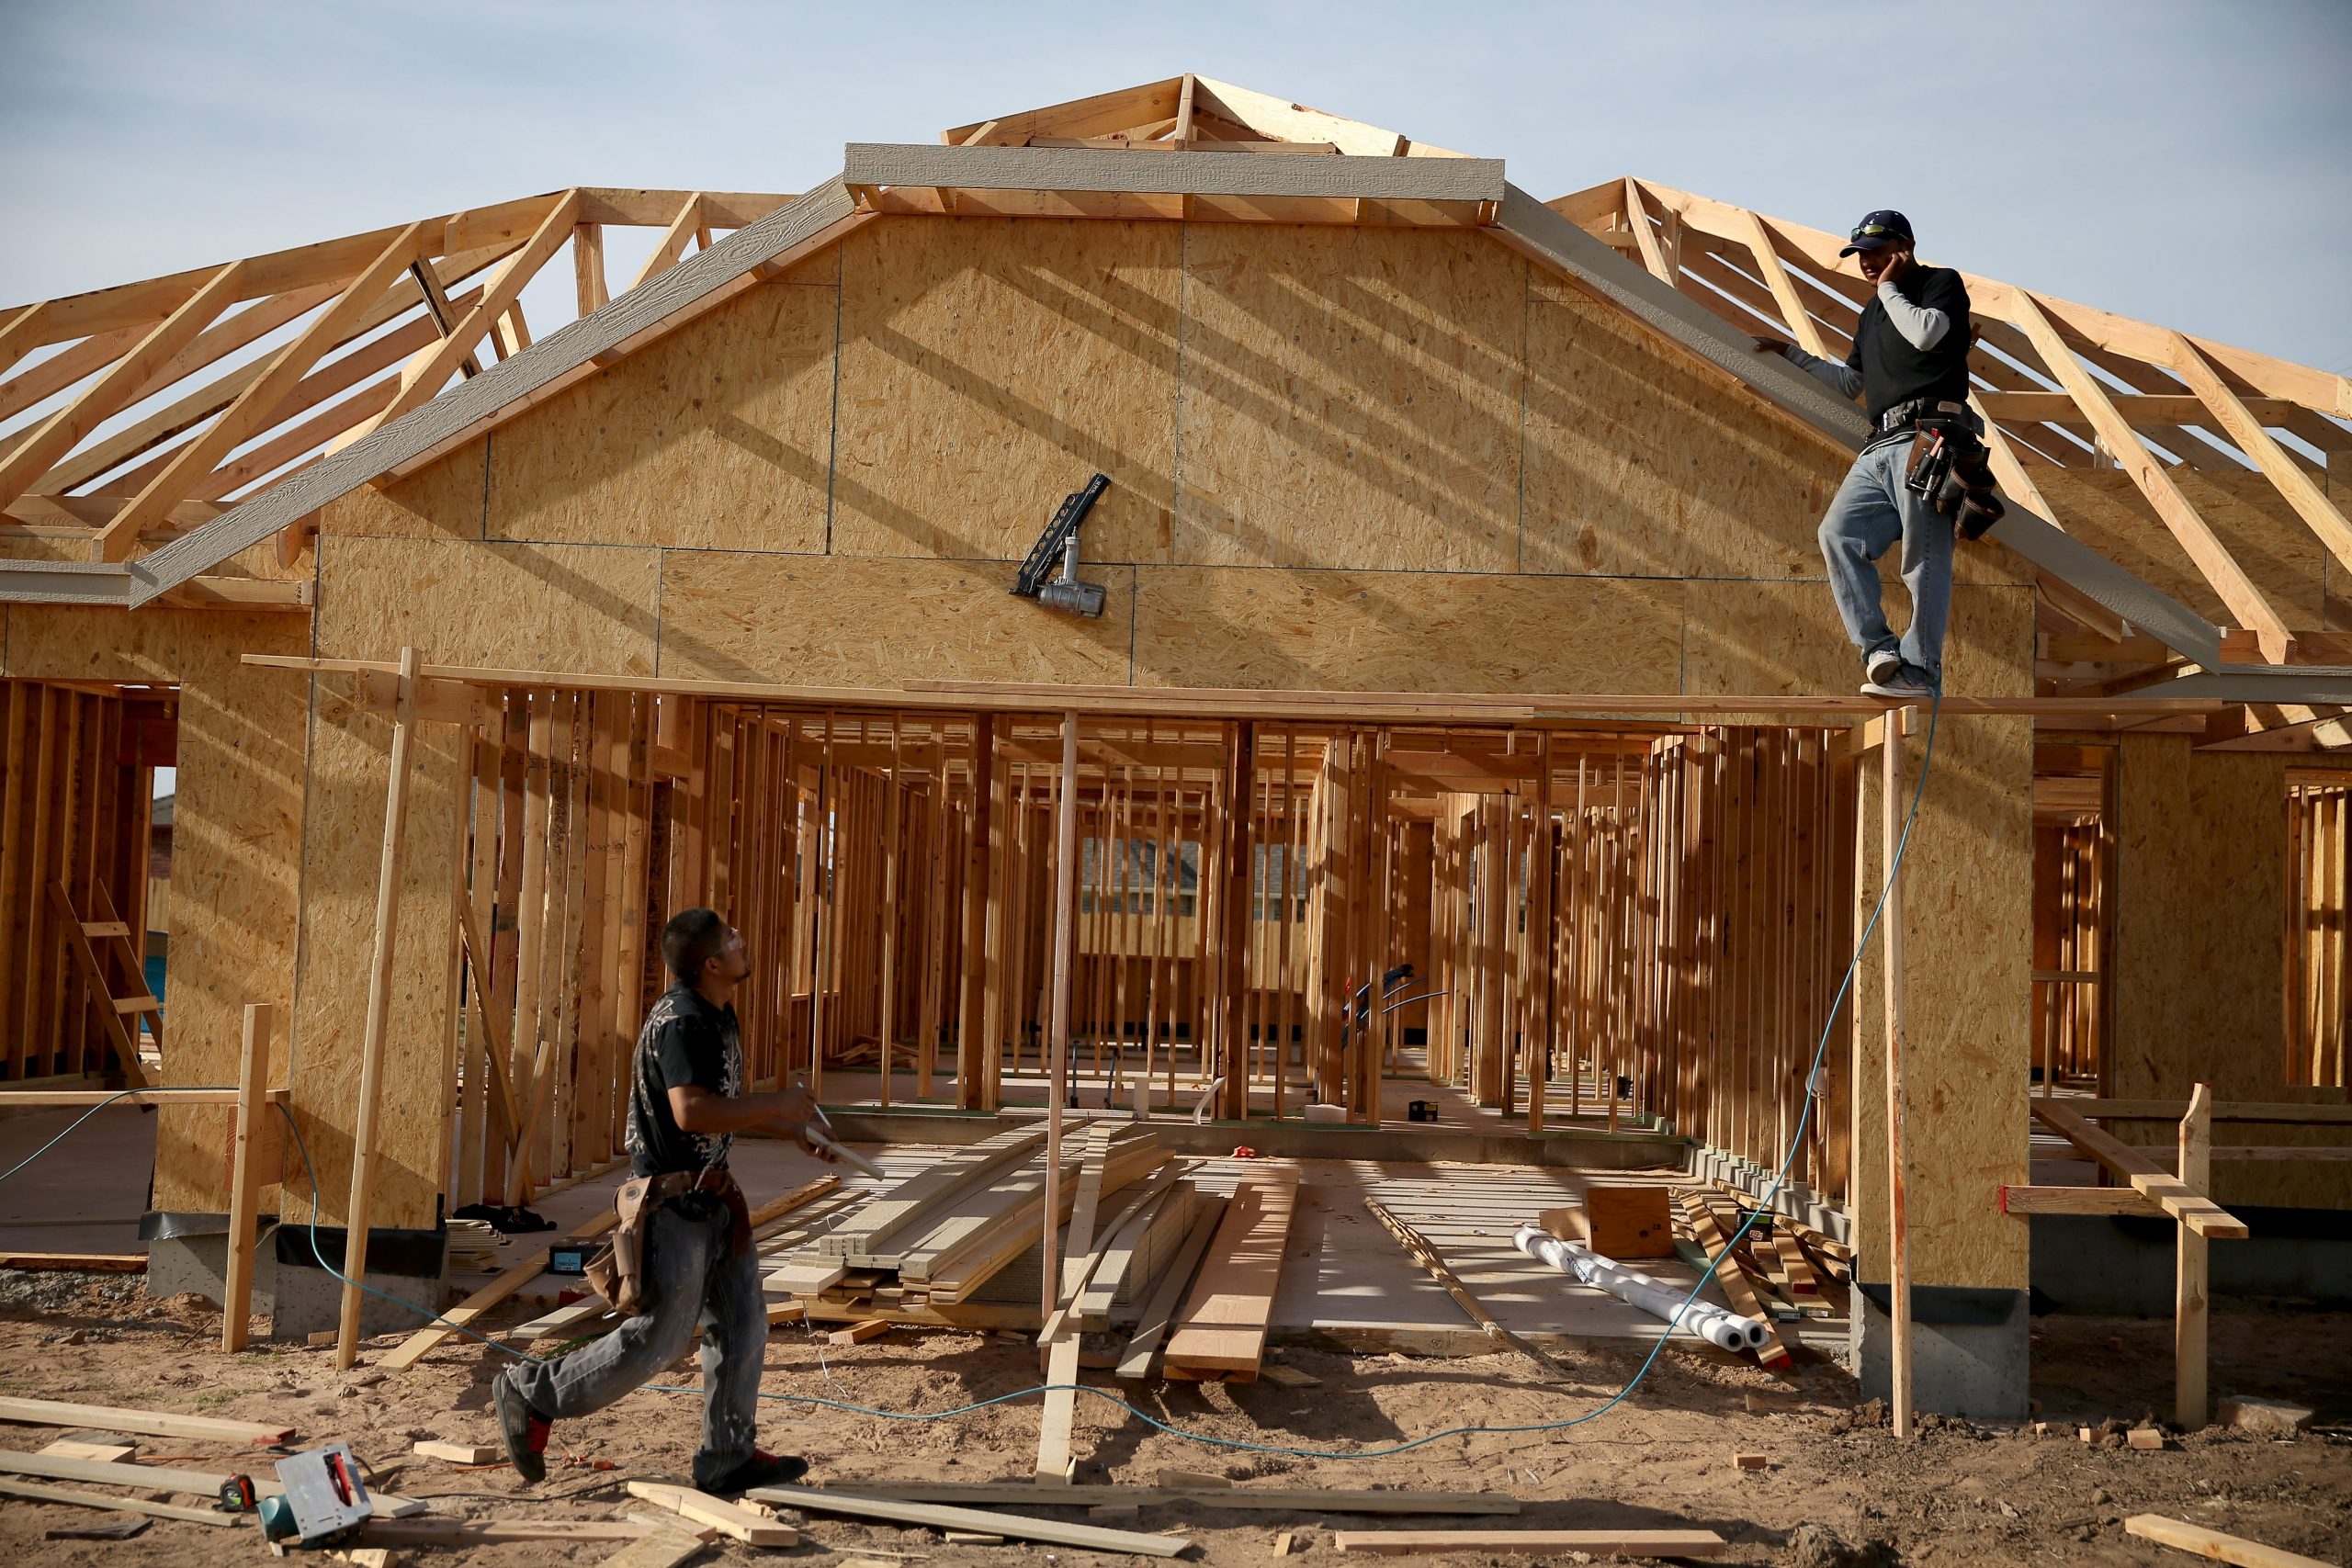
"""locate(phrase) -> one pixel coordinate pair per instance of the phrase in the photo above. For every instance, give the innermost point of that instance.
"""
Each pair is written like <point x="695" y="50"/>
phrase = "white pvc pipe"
<point x="1725" y="1330"/>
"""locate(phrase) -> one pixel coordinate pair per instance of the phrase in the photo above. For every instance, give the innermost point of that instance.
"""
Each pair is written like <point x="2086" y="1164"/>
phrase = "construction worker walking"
<point x="682" y="1255"/>
<point x="1909" y="365"/>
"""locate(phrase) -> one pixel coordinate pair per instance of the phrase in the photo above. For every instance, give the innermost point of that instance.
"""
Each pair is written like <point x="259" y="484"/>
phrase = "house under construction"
<point x="1465" y="731"/>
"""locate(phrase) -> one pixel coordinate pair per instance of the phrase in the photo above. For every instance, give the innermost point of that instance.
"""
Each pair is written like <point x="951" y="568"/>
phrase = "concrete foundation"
<point x="2122" y="1265"/>
<point x="198" y="1263"/>
<point x="310" y="1299"/>
<point x="1969" y="1350"/>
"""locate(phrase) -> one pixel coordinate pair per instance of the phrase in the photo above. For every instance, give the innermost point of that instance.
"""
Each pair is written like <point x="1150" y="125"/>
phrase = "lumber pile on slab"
<point x="1220" y="1332"/>
<point x="936" y="1238"/>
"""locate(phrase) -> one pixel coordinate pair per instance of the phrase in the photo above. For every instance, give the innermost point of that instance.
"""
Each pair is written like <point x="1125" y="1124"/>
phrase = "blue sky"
<point x="2188" y="163"/>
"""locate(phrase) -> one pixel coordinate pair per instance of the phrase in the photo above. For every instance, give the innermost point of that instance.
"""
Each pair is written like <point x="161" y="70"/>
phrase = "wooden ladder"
<point x="80" y="936"/>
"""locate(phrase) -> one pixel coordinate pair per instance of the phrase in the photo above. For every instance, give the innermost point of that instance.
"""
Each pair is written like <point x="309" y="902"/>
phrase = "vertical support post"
<point x="2190" y="1304"/>
<point x="379" y="1002"/>
<point x="1899" y="1275"/>
<point x="890" y="830"/>
<point x="1058" y="1024"/>
<point x="247" y="1172"/>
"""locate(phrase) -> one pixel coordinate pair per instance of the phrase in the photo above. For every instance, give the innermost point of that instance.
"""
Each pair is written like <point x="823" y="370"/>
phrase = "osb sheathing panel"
<point x="1351" y="400"/>
<point x="835" y="621"/>
<point x="236" y="839"/>
<point x="442" y="501"/>
<point x="1405" y="631"/>
<point x="1967" y="907"/>
<point x="2200" y="891"/>
<point x="342" y="846"/>
<point x="718" y="435"/>
<point x="1638" y="465"/>
<point x="2276" y="548"/>
<point x="585" y="608"/>
<point x="991" y="366"/>
<point x="1785" y="640"/>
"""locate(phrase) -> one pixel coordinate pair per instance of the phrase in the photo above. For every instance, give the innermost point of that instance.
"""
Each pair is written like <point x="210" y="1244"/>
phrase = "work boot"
<point x="523" y="1429"/>
<point x="762" y="1468"/>
<point x="1908" y="683"/>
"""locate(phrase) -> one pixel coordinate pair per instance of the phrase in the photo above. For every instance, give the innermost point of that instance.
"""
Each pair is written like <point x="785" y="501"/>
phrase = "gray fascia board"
<point x="64" y="582"/>
<point x="1536" y="228"/>
<point x="481" y="397"/>
<point x="2309" y="684"/>
<point x="1103" y="169"/>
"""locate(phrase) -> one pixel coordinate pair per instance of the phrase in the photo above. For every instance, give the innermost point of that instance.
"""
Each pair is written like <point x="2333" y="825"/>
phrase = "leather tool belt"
<point x="618" y="1270"/>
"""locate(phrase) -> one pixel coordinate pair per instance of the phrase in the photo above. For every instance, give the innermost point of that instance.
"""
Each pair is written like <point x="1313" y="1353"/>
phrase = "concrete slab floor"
<point x="84" y="1195"/>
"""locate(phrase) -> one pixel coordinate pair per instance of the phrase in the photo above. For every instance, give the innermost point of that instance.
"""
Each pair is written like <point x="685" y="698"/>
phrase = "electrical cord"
<point x="1780" y="1177"/>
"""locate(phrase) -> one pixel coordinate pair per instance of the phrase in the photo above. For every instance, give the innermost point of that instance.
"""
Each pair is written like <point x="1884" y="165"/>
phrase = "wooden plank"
<point x="2201" y="1213"/>
<point x="1222" y="1328"/>
<point x="249" y="1172"/>
<point x="938" y="1516"/>
<point x="1893" y="832"/>
<point x="1598" y="1543"/>
<point x="380" y="996"/>
<point x="152" y="1423"/>
<point x="1736" y="1288"/>
<point x="1169" y="1293"/>
<point x="79" y="1262"/>
<point x="34" y="1493"/>
<point x="411" y="1349"/>
<point x="730" y="1520"/>
<point x="1426" y="1255"/>
<point x="2286" y="1113"/>
<point x="2190" y="1308"/>
<point x="2218" y="1545"/>
<point x="496" y="1532"/>
<point x="663" y="1549"/>
<point x="1334" y="1500"/>
<point x="2076" y="1200"/>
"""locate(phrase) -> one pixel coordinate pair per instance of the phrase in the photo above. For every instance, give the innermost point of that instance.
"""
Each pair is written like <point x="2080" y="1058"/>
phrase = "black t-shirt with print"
<point x="1894" y="372"/>
<point x="686" y="1041"/>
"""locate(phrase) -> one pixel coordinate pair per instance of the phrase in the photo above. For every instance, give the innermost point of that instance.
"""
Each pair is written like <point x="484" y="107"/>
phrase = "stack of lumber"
<point x="1219" y="1334"/>
<point x="1134" y="1255"/>
<point x="473" y="1246"/>
<point x="934" y="1240"/>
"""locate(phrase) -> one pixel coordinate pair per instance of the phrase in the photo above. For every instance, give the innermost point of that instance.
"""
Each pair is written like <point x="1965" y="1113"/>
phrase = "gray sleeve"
<point x="1921" y="327"/>
<point x="1846" y="380"/>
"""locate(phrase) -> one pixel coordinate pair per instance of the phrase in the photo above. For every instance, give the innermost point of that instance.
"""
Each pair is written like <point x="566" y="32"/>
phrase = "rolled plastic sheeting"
<point x="1727" y="1331"/>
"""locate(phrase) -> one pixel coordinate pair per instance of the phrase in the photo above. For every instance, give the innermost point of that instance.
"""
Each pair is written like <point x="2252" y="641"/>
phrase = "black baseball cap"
<point x="1877" y="230"/>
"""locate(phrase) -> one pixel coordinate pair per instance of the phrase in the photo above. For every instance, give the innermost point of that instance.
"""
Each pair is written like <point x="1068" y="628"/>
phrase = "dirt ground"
<point x="1664" y="1459"/>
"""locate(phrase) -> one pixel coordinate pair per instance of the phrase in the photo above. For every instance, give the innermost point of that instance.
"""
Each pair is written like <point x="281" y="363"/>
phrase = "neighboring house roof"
<point x="1698" y="274"/>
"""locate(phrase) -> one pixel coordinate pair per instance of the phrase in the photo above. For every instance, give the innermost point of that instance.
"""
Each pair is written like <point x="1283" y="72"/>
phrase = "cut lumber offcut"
<point x="34" y="1493"/>
<point x="728" y="1518"/>
<point x="2213" y="1544"/>
<point x="149" y="1423"/>
<point x="1288" y="1377"/>
<point x="2192" y="1209"/>
<point x="1599" y="1544"/>
<point x="1738" y="1288"/>
<point x="1616" y="1220"/>
<point x="938" y="1516"/>
<point x="105" y="1453"/>
<point x="1168" y="1293"/>
<point x="1278" y="1499"/>
<point x="1425" y="1253"/>
<point x="665" y="1547"/>
<point x="859" y="1333"/>
<point x="459" y="1453"/>
<point x="1221" y="1332"/>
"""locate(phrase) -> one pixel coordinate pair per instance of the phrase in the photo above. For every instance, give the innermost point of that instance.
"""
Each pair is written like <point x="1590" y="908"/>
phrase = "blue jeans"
<point x="693" y="1281"/>
<point x="1871" y="510"/>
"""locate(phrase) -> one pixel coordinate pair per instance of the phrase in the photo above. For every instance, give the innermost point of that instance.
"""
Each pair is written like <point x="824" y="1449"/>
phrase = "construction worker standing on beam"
<point x="1921" y="477"/>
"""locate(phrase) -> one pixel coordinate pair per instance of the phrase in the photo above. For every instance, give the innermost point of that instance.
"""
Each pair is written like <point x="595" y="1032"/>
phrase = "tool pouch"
<point x="618" y="1270"/>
